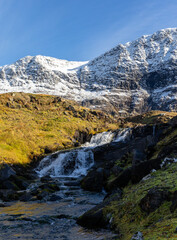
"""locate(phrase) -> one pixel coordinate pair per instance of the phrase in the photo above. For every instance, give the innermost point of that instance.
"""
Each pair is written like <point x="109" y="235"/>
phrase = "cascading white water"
<point x="122" y="135"/>
<point x="74" y="163"/>
<point x="100" y="139"/>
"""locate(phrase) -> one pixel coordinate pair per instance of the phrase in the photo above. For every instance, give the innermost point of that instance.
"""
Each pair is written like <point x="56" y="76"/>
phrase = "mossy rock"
<point x="128" y="217"/>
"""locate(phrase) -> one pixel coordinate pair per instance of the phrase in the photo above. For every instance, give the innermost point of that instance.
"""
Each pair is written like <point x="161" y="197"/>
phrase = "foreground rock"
<point x="6" y="172"/>
<point x="154" y="198"/>
<point x="96" y="217"/>
<point x="18" y="183"/>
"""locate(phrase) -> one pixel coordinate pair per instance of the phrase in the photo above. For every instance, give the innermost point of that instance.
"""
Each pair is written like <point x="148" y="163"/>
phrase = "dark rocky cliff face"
<point x="129" y="79"/>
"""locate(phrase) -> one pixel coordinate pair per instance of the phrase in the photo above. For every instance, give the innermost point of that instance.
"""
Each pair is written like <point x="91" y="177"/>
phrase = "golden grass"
<point x="152" y="117"/>
<point x="29" y="123"/>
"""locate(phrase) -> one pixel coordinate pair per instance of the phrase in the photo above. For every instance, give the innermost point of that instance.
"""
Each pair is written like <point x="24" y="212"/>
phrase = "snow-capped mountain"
<point x="130" y="78"/>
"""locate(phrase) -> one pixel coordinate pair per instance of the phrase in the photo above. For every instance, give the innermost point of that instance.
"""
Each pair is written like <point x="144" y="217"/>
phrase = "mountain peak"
<point x="128" y="79"/>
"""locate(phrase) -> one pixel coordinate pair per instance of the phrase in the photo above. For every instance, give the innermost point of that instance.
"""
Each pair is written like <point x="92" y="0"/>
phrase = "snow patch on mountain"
<point x="130" y="78"/>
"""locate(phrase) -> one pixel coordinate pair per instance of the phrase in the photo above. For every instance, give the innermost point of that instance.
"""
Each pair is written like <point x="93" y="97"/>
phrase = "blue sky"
<point x="77" y="29"/>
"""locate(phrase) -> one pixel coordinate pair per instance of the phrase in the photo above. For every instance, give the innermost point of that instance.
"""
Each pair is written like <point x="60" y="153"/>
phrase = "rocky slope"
<point x="139" y="175"/>
<point x="136" y="166"/>
<point x="129" y="79"/>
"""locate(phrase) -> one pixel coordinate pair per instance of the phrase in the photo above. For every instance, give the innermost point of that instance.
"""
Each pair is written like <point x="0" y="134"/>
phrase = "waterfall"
<point x="100" y="139"/>
<point x="76" y="162"/>
<point x="72" y="163"/>
<point x="123" y="135"/>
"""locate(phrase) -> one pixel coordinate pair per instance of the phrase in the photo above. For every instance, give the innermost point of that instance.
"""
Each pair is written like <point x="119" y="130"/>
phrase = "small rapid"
<point x="73" y="163"/>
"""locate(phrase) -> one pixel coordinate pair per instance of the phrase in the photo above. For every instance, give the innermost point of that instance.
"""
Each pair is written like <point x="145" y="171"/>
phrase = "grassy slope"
<point x="128" y="218"/>
<point x="29" y="123"/>
<point x="152" y="117"/>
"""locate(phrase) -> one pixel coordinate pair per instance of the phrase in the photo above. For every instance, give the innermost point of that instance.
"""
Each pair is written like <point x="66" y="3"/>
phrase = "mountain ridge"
<point x="129" y="79"/>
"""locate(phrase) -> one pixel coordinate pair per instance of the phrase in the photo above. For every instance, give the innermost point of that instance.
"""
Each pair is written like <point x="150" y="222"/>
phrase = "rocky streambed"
<point x="45" y="203"/>
<point x="51" y="219"/>
<point x="84" y="193"/>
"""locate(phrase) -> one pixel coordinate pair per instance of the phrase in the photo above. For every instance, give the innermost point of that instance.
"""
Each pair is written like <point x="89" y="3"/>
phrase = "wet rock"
<point x="93" y="181"/>
<point x="27" y="173"/>
<point x="51" y="187"/>
<point x="43" y="194"/>
<point x="82" y="136"/>
<point x="95" y="217"/>
<point x="109" y="152"/>
<point x="153" y="199"/>
<point x="54" y="198"/>
<point x="137" y="236"/>
<point x="45" y="179"/>
<point x="2" y="204"/>
<point x="41" y="191"/>
<point x="5" y="172"/>
<point x="25" y="197"/>
<point x="9" y="185"/>
<point x="8" y="195"/>
<point x="20" y="181"/>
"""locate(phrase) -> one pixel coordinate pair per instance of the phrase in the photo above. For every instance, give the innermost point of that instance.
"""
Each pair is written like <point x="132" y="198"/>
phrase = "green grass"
<point x="128" y="218"/>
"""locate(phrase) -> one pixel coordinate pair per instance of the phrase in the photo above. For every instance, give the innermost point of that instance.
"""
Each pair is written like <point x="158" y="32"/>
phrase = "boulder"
<point x="93" y="181"/>
<point x="2" y="204"/>
<point x="25" y="197"/>
<point x="153" y="199"/>
<point x="142" y="169"/>
<point x="9" y="185"/>
<point x="54" y="197"/>
<point x="42" y="191"/>
<point x="95" y="217"/>
<point x="43" y="194"/>
<point x="133" y="174"/>
<point x="21" y="182"/>
<point x="8" y="195"/>
<point x="5" y="172"/>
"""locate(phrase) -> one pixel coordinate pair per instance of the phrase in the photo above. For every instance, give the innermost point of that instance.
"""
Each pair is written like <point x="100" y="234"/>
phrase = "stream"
<point x="56" y="219"/>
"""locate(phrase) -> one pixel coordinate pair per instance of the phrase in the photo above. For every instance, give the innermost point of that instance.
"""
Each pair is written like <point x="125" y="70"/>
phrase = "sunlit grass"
<point x="30" y="123"/>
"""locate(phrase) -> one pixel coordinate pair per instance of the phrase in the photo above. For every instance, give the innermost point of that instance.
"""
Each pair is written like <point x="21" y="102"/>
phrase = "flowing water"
<point x="76" y="162"/>
<point x="49" y="220"/>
